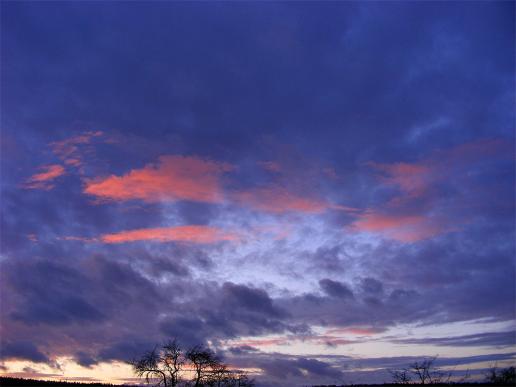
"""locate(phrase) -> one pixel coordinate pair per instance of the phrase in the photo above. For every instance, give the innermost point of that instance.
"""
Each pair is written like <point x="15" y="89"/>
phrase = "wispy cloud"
<point x="277" y="200"/>
<point x="404" y="228"/>
<point x="69" y="149"/>
<point x="192" y="234"/>
<point x="490" y="339"/>
<point x="45" y="179"/>
<point x="409" y="215"/>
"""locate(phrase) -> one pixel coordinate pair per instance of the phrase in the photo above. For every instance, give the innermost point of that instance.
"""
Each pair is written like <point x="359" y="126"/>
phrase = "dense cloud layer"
<point x="298" y="186"/>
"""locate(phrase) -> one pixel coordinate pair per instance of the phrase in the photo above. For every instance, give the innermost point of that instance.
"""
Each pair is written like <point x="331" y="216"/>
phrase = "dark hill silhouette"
<point x="18" y="382"/>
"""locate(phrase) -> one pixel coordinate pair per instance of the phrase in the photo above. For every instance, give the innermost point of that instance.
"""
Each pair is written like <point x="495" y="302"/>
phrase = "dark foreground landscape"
<point x="18" y="382"/>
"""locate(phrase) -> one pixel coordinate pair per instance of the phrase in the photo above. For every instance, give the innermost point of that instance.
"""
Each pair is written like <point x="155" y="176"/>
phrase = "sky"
<point x="319" y="192"/>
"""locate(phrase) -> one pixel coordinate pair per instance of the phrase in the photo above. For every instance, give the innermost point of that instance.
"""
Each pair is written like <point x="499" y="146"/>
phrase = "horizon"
<point x="318" y="192"/>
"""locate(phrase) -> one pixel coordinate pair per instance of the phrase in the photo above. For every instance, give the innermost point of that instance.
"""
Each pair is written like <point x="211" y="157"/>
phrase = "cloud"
<point x="490" y="339"/>
<point x="280" y="200"/>
<point x="256" y="300"/>
<point x="357" y="331"/>
<point x="418" y="178"/>
<point x="191" y="234"/>
<point x="69" y="150"/>
<point x="225" y="312"/>
<point x="53" y="297"/>
<point x="434" y="195"/>
<point x="84" y="359"/>
<point x="404" y="228"/>
<point x="335" y="288"/>
<point x="22" y="350"/>
<point x="172" y="178"/>
<point x="45" y="179"/>
<point x="412" y="179"/>
<point x="300" y="367"/>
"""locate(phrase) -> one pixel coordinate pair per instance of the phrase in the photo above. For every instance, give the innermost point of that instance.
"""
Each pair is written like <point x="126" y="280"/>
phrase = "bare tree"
<point x="506" y="376"/>
<point x="204" y="361"/>
<point x="400" y="376"/>
<point x="170" y="366"/>
<point x="173" y="361"/>
<point x="220" y="375"/>
<point x="423" y="371"/>
<point x="150" y="366"/>
<point x="242" y="379"/>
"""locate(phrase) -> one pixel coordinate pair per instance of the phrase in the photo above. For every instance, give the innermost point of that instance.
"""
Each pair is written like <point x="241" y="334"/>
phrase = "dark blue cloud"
<point x="335" y="288"/>
<point x="22" y="350"/>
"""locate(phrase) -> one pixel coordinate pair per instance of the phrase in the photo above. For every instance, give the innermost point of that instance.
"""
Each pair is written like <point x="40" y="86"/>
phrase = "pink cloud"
<point x="45" y="178"/>
<point x="68" y="149"/>
<point x="172" y="178"/>
<point x="192" y="234"/>
<point x="412" y="179"/>
<point x="421" y="180"/>
<point x="404" y="228"/>
<point x="279" y="200"/>
<point x="417" y="178"/>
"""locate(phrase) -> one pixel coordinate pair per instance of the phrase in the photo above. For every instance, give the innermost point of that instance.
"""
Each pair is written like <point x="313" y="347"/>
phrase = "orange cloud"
<point x="192" y="234"/>
<point x="172" y="178"/>
<point x="399" y="227"/>
<point x="278" y="200"/>
<point x="44" y="180"/>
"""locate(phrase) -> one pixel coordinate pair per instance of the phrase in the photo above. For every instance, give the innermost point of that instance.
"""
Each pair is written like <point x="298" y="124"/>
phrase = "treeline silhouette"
<point x="20" y="382"/>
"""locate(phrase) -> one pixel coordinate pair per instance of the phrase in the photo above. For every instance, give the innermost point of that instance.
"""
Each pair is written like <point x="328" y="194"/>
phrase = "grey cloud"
<point x="335" y="288"/>
<point x="22" y="350"/>
<point x="371" y="285"/>
<point x="491" y="339"/>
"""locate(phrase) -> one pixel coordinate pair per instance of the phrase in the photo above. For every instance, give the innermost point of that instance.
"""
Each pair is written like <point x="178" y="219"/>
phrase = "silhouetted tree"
<point x="173" y="361"/>
<point x="506" y="376"/>
<point x="204" y="363"/>
<point x="151" y="366"/>
<point x="400" y="376"/>
<point x="242" y="379"/>
<point x="423" y="371"/>
<point x="219" y="375"/>
<point x="169" y="365"/>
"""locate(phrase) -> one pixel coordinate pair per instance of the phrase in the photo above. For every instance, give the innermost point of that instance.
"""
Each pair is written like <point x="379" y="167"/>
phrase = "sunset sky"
<point x="320" y="192"/>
